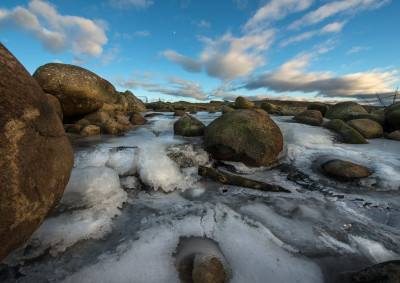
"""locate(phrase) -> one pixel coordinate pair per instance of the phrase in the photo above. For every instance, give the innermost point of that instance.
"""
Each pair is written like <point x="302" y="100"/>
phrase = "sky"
<point x="202" y="50"/>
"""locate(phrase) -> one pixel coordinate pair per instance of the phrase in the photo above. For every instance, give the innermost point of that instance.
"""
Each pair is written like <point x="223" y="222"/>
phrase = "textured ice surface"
<point x="322" y="231"/>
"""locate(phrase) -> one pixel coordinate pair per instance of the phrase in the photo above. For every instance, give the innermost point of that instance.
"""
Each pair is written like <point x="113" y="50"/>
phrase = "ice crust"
<point x="297" y="237"/>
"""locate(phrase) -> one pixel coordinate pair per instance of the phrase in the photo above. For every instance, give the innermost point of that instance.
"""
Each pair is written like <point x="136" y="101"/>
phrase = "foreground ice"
<point x="132" y="199"/>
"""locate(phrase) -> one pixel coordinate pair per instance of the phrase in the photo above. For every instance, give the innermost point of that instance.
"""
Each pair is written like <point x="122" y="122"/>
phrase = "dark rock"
<point x="124" y="124"/>
<point x="134" y="103"/>
<point x="339" y="110"/>
<point x="97" y="117"/>
<point x="385" y="272"/>
<point x="368" y="128"/>
<point x="188" y="126"/>
<point x="179" y="112"/>
<point x="73" y="128"/>
<point x="394" y="135"/>
<point x="310" y="117"/>
<point x="152" y="115"/>
<point x="321" y="107"/>
<point x="56" y="105"/>
<point x="354" y="115"/>
<point x="209" y="270"/>
<point x="345" y="169"/>
<point x="392" y="115"/>
<point x="137" y="119"/>
<point x="79" y="91"/>
<point x="249" y="136"/>
<point x="243" y="103"/>
<point x="36" y="156"/>
<point x="348" y="134"/>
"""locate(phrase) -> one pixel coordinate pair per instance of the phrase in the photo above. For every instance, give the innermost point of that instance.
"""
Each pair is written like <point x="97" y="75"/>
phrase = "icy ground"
<point x="132" y="199"/>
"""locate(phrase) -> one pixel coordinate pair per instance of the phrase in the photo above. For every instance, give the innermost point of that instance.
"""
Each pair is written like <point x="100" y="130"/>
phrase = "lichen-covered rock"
<point x="368" y="128"/>
<point x="309" y="117"/>
<point x="188" y="126"/>
<point x="226" y="109"/>
<point x="211" y="110"/>
<point x="339" y="110"/>
<point x="56" y="105"/>
<point x="248" y="136"/>
<point x="243" y="103"/>
<point x="345" y="169"/>
<point x="179" y="113"/>
<point x="124" y="124"/>
<point x="321" y="107"/>
<point x="208" y="270"/>
<point x="348" y="134"/>
<point x="269" y="107"/>
<point x="392" y="115"/>
<point x="79" y="90"/>
<point x="97" y="117"/>
<point x="354" y="115"/>
<point x="137" y="119"/>
<point x="36" y="157"/>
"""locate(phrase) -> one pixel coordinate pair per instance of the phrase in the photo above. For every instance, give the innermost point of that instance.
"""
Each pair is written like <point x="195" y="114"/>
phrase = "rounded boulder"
<point x="339" y="110"/>
<point x="309" y="117"/>
<point x="243" y="103"/>
<point x="392" y="115"/>
<point x="368" y="128"/>
<point x="248" y="136"/>
<point x="36" y="156"/>
<point x="189" y="126"/>
<point x="79" y="91"/>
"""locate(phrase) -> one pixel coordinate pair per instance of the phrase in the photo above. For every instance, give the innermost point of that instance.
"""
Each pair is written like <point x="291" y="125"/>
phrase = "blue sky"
<point x="215" y="50"/>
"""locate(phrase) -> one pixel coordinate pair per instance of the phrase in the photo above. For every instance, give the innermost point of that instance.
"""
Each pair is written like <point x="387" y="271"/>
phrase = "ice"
<point x="123" y="161"/>
<point x="91" y="200"/>
<point x="373" y="250"/>
<point x="130" y="182"/>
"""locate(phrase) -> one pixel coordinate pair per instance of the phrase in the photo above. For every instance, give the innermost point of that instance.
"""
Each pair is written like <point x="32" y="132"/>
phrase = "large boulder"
<point x="226" y="109"/>
<point x="321" y="107"/>
<point x="309" y="117"/>
<point x="36" y="157"/>
<point x="97" y="117"/>
<point x="269" y="107"/>
<point x="368" y="128"/>
<point x="79" y="90"/>
<point x="189" y="126"/>
<point x="248" y="136"/>
<point x="338" y="110"/>
<point x="243" y="103"/>
<point x="134" y="103"/>
<point x="137" y="119"/>
<point x="394" y="135"/>
<point x="392" y="115"/>
<point x="354" y="115"/>
<point x="345" y="169"/>
<point x="348" y="134"/>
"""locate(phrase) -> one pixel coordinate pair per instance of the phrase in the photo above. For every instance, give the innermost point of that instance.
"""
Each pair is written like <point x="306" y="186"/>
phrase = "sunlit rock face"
<point x="79" y="91"/>
<point x="35" y="156"/>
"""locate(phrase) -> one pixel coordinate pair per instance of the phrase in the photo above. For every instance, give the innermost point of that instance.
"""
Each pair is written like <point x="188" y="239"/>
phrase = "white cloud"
<point x="292" y="76"/>
<point x="138" y="4"/>
<point x="143" y="33"/>
<point x="122" y="35"/>
<point x="185" y="62"/>
<point x="241" y="4"/>
<point x="204" y="24"/>
<point x="57" y="33"/>
<point x="349" y="7"/>
<point x="356" y="49"/>
<point x="134" y="84"/>
<point x="329" y="28"/>
<point x="276" y="10"/>
<point x="182" y="88"/>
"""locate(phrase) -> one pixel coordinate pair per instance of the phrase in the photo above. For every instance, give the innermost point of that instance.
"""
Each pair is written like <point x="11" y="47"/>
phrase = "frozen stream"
<point x="132" y="198"/>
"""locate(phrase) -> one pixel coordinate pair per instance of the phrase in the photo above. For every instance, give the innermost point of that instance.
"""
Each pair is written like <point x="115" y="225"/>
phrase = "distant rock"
<point x="56" y="105"/>
<point x="385" y="272"/>
<point x="116" y="125"/>
<point x="348" y="134"/>
<point x="90" y="130"/>
<point x="79" y="90"/>
<point x="153" y="115"/>
<point x="394" y="135"/>
<point x="354" y="115"/>
<point x="189" y="126"/>
<point x="36" y="156"/>
<point x="345" y="169"/>
<point x="339" y="110"/>
<point x="392" y="115"/>
<point x="208" y="270"/>
<point x="179" y="112"/>
<point x="269" y="107"/>
<point x="134" y="103"/>
<point x="226" y="109"/>
<point x="243" y="103"/>
<point x="137" y="119"/>
<point x="309" y="117"/>
<point x="321" y="107"/>
<point x="248" y="136"/>
<point x="368" y="128"/>
<point x="211" y="110"/>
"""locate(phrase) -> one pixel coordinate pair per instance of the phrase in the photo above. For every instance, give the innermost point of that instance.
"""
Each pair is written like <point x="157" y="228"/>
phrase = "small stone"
<point x="209" y="270"/>
<point x="345" y="169"/>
